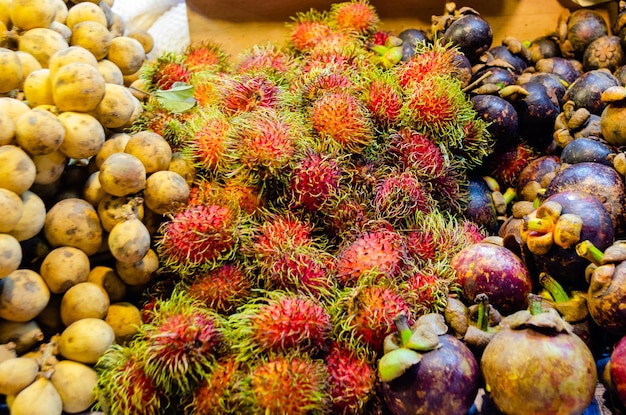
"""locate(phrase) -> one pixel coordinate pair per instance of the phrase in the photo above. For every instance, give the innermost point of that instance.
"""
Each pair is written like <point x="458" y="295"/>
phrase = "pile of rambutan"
<point x="328" y="197"/>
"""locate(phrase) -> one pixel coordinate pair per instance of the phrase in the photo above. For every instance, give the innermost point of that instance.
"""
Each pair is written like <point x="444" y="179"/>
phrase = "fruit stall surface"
<point x="359" y="207"/>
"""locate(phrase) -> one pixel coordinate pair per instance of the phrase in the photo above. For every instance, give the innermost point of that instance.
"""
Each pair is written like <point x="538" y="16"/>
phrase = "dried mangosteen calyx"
<point x="572" y="307"/>
<point x="546" y="226"/>
<point x="457" y="316"/>
<point x="538" y="318"/>
<point x="423" y="338"/>
<point x="485" y="321"/>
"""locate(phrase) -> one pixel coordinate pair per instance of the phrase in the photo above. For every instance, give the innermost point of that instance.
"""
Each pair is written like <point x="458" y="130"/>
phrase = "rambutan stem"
<point x="553" y="287"/>
<point x="586" y="249"/>
<point x="402" y="325"/>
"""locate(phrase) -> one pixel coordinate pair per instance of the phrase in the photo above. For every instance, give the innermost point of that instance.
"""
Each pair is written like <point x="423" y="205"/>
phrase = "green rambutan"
<point x="205" y="56"/>
<point x="380" y="250"/>
<point x="198" y="238"/>
<point x="182" y="340"/>
<point x="265" y="141"/>
<point x="313" y="179"/>
<point x="123" y="386"/>
<point x="341" y="118"/>
<point x="399" y="194"/>
<point x="292" y="383"/>
<point x="246" y="92"/>
<point x="352" y="379"/>
<point x="356" y="15"/>
<point x="222" y="289"/>
<point x="279" y="321"/>
<point x="366" y="312"/>
<point x="215" y="394"/>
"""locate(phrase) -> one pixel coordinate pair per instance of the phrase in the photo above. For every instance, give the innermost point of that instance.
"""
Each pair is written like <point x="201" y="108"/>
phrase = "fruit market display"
<point x="352" y="221"/>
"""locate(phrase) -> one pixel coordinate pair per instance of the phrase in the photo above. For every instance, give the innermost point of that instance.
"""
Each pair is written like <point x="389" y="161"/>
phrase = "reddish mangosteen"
<point x="491" y="269"/>
<point x="617" y="371"/>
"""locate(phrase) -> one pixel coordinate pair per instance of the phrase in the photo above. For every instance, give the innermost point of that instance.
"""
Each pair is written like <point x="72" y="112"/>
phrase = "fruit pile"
<point x="351" y="222"/>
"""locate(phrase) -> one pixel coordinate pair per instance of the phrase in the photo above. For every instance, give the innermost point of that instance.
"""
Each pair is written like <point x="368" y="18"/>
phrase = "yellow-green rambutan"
<point x="182" y="340"/>
<point x="208" y="141"/>
<point x="278" y="321"/>
<point x="290" y="383"/>
<point x="342" y="121"/>
<point x="123" y="385"/>
<point x="430" y="58"/>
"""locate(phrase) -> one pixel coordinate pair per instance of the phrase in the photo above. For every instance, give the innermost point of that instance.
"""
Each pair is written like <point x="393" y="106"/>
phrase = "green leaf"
<point x="176" y="106"/>
<point x="178" y="98"/>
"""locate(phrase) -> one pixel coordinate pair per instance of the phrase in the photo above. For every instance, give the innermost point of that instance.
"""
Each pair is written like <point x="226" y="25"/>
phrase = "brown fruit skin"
<point x="528" y="372"/>
<point x="445" y="381"/>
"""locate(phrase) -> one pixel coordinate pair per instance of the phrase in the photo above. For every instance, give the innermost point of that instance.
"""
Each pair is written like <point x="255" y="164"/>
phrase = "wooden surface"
<point x="239" y="24"/>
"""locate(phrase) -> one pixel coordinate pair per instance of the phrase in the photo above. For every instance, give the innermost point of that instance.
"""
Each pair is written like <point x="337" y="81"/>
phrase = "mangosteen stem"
<point x="482" y="312"/>
<point x="535" y="224"/>
<point x="509" y="195"/>
<point x="553" y="287"/>
<point x="535" y="304"/>
<point x="586" y="249"/>
<point x="402" y="325"/>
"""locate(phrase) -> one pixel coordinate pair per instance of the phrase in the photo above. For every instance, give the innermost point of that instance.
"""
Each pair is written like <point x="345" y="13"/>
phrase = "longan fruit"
<point x="92" y="36"/>
<point x="11" y="71"/>
<point x="77" y="86"/>
<point x="127" y="53"/>
<point x="85" y="11"/>
<point x="42" y="43"/>
<point x="30" y="14"/>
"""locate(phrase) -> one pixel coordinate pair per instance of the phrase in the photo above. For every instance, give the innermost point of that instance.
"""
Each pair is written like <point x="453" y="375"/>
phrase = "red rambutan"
<point x="215" y="394"/>
<point x="205" y="56"/>
<point x="356" y="15"/>
<point x="427" y="287"/>
<point x="352" y="380"/>
<point x="123" y="386"/>
<point x="307" y="31"/>
<point x="380" y="250"/>
<point x="181" y="341"/>
<point x="313" y="179"/>
<point x="244" y="93"/>
<point x="343" y="119"/>
<point x="279" y="322"/>
<point x="268" y="58"/>
<point x="400" y="194"/>
<point x="384" y="99"/>
<point x="265" y="141"/>
<point x="209" y="141"/>
<point x="415" y="151"/>
<point x="291" y="383"/>
<point x="166" y="70"/>
<point x="277" y="232"/>
<point x="222" y="289"/>
<point x="197" y="238"/>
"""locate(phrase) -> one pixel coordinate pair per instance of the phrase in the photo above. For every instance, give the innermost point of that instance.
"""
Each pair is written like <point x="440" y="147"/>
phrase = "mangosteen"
<point x="604" y="52"/>
<point x="515" y="62"/>
<point x="587" y="149"/>
<point x="501" y="116"/>
<point x="537" y="112"/>
<point x="620" y="74"/>
<point x="544" y="47"/>
<point x="535" y="364"/>
<point x="612" y="119"/>
<point x="471" y="33"/>
<point x="536" y="176"/>
<point x="552" y="81"/>
<point x="597" y="179"/>
<point x="567" y="69"/>
<point x="583" y="27"/>
<point x="426" y="371"/>
<point x="493" y="75"/>
<point x="586" y="91"/>
<point x="480" y="208"/>
<point x="410" y="37"/>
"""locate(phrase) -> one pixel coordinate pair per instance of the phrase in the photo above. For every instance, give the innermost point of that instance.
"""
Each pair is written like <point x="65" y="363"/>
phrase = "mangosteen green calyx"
<point x="607" y="284"/>
<point x="535" y="364"/>
<point x="475" y="325"/>
<point x="426" y="371"/>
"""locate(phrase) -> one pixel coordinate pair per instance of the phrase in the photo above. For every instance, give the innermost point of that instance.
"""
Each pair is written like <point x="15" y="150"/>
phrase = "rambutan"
<point x="342" y="118"/>
<point x="265" y="141"/>
<point x="242" y="191"/>
<point x="429" y="58"/>
<point x="222" y="289"/>
<point x="384" y="98"/>
<point x="278" y="322"/>
<point x="205" y="56"/>
<point x="197" y="238"/>
<point x="268" y="58"/>
<point x="450" y="189"/>
<point x="124" y="387"/>
<point x="312" y="180"/>
<point x="317" y="83"/>
<point x="506" y="164"/>
<point x="356" y="15"/>
<point x="307" y="30"/>
<point x="352" y="379"/>
<point x="244" y="93"/>
<point x="346" y="210"/>
<point x="292" y="383"/>
<point x="182" y="341"/>
<point x="165" y="71"/>
<point x="366" y="312"/>
<point x="477" y="143"/>
<point x="274" y="233"/>
<point x="379" y="250"/>
<point x="399" y="194"/>
<point x="413" y="150"/>
<point x="215" y="394"/>
<point x="209" y="141"/>
<point x="427" y="287"/>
